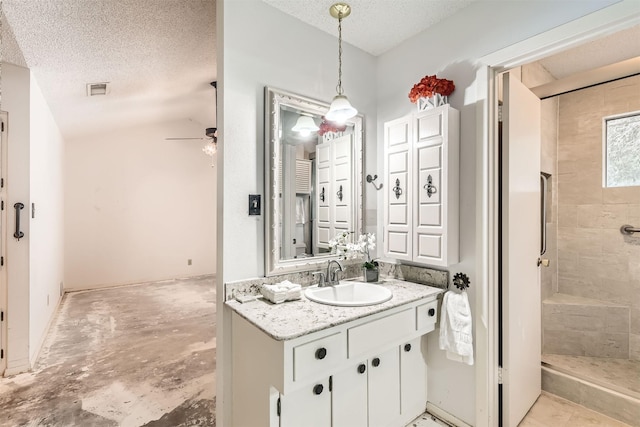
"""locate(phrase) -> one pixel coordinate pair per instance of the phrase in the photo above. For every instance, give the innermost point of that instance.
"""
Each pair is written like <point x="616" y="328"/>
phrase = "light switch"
<point x="254" y="204"/>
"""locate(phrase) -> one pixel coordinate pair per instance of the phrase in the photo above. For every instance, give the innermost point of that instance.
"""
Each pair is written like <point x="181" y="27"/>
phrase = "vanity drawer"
<point x="378" y="333"/>
<point x="315" y="358"/>
<point x="427" y="315"/>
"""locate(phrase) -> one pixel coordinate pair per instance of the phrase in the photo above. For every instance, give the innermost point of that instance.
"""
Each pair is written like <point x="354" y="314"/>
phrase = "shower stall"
<point x="591" y="288"/>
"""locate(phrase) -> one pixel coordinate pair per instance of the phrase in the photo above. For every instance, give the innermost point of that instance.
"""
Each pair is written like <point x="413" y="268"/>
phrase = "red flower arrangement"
<point x="430" y="85"/>
<point x="327" y="126"/>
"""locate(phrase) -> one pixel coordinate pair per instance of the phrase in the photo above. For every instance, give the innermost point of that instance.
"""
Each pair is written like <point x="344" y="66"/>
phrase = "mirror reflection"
<point x="314" y="168"/>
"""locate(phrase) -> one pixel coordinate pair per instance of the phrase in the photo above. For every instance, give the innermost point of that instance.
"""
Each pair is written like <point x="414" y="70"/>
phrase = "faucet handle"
<point x="322" y="280"/>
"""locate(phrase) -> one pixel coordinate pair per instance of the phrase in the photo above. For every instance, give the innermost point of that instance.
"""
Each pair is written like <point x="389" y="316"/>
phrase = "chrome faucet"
<point x="332" y="275"/>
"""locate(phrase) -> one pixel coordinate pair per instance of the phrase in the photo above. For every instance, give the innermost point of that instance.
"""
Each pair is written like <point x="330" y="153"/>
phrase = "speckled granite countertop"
<point x="292" y="319"/>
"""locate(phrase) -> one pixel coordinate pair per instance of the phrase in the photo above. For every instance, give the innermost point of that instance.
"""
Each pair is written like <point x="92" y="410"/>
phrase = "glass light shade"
<point x="340" y="110"/>
<point x="209" y="148"/>
<point x="305" y="125"/>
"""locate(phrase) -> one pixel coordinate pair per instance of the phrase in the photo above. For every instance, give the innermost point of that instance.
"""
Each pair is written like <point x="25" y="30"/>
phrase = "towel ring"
<point x="461" y="281"/>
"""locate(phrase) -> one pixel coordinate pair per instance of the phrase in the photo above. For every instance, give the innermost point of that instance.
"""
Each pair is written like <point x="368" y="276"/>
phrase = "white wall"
<point x="451" y="49"/>
<point x="281" y="52"/>
<point x="137" y="207"/>
<point x="15" y="100"/>
<point x="47" y="228"/>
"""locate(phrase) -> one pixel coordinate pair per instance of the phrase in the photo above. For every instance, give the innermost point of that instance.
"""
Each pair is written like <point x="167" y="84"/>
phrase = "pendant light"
<point x="305" y="125"/>
<point x="340" y="109"/>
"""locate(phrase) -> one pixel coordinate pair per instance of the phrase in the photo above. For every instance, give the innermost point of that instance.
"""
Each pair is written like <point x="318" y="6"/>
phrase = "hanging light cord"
<point x="339" y="87"/>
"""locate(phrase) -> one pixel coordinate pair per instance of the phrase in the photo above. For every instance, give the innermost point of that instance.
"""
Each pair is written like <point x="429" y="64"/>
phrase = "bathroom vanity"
<point x="302" y="363"/>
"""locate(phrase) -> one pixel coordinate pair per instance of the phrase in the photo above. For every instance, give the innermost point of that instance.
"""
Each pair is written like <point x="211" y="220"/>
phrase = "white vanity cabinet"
<point x="421" y="199"/>
<point x="370" y="371"/>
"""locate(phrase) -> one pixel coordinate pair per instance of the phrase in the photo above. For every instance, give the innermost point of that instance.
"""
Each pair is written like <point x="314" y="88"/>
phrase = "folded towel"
<point x="456" y="327"/>
<point x="280" y="292"/>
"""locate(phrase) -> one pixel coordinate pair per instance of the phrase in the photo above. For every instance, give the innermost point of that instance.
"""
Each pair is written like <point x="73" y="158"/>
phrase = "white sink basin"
<point x="349" y="294"/>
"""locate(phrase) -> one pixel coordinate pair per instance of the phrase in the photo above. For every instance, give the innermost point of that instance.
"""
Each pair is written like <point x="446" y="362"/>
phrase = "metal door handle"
<point x="18" y="234"/>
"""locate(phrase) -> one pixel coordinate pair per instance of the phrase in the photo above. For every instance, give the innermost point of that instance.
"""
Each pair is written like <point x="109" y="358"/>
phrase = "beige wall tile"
<point x="626" y="195"/>
<point x="580" y="240"/>
<point x="634" y="346"/>
<point x="567" y="215"/>
<point x="634" y="326"/>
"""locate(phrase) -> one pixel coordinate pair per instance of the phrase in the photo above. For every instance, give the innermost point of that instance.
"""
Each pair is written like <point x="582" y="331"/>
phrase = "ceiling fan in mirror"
<point x="211" y="134"/>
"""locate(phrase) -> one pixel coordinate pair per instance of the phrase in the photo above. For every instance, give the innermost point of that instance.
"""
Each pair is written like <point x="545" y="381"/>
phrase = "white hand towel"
<point x="280" y="292"/>
<point x="456" y="327"/>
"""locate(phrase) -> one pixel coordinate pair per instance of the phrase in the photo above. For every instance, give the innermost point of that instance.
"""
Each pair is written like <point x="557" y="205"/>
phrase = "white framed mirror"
<point x="313" y="181"/>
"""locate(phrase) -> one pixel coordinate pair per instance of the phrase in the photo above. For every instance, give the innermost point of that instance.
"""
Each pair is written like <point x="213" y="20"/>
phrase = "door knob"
<point x="543" y="262"/>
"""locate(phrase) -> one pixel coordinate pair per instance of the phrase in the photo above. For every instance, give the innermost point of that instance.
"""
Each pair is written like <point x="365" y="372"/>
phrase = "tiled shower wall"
<point x="594" y="259"/>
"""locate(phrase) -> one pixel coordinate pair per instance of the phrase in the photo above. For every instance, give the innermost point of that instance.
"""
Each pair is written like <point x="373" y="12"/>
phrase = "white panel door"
<point x="3" y="231"/>
<point x="397" y="194"/>
<point x="521" y="246"/>
<point x="384" y="388"/>
<point x="309" y="406"/>
<point x="349" y="397"/>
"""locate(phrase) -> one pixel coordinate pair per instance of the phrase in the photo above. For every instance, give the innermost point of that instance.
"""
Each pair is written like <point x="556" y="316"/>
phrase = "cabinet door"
<point x="435" y="174"/>
<point x="342" y="203"/>
<point x="349" y="397"/>
<point x="413" y="378"/>
<point x="397" y="193"/>
<point x="324" y="231"/>
<point x="309" y="406"/>
<point x="384" y="389"/>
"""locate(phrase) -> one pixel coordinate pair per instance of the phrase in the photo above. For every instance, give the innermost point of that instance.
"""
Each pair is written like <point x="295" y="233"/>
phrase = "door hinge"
<point x="2" y="205"/>
<point x="1" y="316"/>
<point x="279" y="407"/>
<point x="1" y="182"/>
<point x="2" y="354"/>
<point x="331" y="383"/>
<point x="2" y="127"/>
<point x="499" y="374"/>
<point x="1" y="261"/>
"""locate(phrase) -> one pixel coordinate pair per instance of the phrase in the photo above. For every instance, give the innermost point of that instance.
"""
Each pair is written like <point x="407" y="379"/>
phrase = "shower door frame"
<point x="593" y="26"/>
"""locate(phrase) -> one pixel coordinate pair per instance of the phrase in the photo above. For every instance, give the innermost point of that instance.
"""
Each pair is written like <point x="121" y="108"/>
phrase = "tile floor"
<point x="621" y="375"/>
<point x="548" y="411"/>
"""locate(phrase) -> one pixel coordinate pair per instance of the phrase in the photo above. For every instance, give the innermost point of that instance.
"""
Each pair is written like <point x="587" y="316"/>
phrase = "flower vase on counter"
<point x="370" y="274"/>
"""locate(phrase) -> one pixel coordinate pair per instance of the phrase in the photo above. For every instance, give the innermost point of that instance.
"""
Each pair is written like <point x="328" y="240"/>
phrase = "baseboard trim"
<point x="43" y="338"/>
<point x="445" y="416"/>
<point x="119" y="285"/>
<point x="15" y="370"/>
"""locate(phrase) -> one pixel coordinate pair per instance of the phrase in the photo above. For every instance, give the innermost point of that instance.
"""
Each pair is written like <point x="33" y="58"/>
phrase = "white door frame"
<point x="614" y="18"/>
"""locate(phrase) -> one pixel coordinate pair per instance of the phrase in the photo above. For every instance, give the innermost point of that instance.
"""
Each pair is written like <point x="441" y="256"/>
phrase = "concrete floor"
<point x="140" y="355"/>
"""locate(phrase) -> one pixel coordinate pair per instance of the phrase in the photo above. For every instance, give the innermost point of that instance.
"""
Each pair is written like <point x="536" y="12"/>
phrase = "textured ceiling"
<point x="158" y="56"/>
<point x="374" y="26"/>
<point x="608" y="50"/>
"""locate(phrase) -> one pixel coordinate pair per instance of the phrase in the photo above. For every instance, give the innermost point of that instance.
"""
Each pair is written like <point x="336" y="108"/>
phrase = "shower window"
<point x="622" y="150"/>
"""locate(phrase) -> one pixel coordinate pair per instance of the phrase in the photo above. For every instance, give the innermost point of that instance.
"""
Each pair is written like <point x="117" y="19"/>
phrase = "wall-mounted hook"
<point x="370" y="179"/>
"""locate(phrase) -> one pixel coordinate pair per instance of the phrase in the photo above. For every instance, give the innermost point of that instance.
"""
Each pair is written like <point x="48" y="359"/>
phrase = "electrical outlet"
<point x="189" y="261"/>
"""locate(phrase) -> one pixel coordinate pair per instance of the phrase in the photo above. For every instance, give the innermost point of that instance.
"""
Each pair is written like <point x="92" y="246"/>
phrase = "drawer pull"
<point x="321" y="353"/>
<point x="376" y="362"/>
<point x="407" y="347"/>
<point x="318" y="389"/>
<point x="432" y="312"/>
<point x="362" y="368"/>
